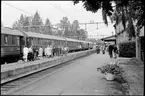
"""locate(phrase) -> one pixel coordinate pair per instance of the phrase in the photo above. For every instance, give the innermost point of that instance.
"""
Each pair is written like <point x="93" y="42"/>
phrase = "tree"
<point x="19" y="24"/>
<point x="75" y="27"/>
<point x="95" y="5"/>
<point x="36" y="23"/>
<point x="25" y="24"/>
<point x="81" y="34"/>
<point x="65" y="26"/>
<point x="130" y="9"/>
<point x="15" y="25"/>
<point x="135" y="8"/>
<point x="47" y="27"/>
<point x="21" y="21"/>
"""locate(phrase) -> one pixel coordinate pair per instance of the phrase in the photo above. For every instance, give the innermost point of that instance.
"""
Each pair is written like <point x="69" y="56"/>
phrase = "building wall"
<point x="122" y="36"/>
<point x="121" y="33"/>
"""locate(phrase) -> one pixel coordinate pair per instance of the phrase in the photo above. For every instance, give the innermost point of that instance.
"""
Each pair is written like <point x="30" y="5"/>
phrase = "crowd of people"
<point x="111" y="48"/>
<point x="31" y="54"/>
<point x="113" y="51"/>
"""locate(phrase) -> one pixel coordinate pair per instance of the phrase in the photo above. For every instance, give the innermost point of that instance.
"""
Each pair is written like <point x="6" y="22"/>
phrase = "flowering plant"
<point x="110" y="68"/>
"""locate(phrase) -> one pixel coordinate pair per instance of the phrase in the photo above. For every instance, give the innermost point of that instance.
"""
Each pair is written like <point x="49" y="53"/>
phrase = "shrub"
<point x="127" y="49"/>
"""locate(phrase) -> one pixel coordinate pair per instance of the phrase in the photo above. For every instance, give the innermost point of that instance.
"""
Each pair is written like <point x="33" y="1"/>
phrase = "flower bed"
<point x="110" y="71"/>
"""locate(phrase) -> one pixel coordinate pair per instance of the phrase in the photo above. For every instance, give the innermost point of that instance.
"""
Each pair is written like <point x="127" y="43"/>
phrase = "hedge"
<point x="127" y="49"/>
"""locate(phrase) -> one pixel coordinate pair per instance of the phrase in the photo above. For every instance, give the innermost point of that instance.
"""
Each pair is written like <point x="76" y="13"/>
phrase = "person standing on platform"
<point x="40" y="52"/>
<point x="103" y="49"/>
<point x="98" y="49"/>
<point x="110" y="50"/>
<point x="25" y="53"/>
<point x="49" y="51"/>
<point x="66" y="50"/>
<point x="115" y="51"/>
<point x="35" y="51"/>
<point x="30" y="54"/>
<point x="45" y="52"/>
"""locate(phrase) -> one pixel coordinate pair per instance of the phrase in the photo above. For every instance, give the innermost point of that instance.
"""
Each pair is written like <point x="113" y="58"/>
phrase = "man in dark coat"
<point x="115" y="50"/>
<point x="110" y="50"/>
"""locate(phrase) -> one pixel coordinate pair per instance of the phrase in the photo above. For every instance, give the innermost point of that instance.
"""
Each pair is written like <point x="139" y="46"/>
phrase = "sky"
<point x="55" y="11"/>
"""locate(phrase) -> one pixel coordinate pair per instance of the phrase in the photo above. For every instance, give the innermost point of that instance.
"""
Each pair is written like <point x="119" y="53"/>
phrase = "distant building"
<point x="110" y="39"/>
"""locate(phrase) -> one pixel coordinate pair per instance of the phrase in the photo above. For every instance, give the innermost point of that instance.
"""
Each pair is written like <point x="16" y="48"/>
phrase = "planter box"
<point x="109" y="76"/>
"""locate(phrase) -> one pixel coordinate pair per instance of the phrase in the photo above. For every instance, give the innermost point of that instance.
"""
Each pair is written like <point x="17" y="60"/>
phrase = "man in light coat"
<point x="45" y="51"/>
<point x="40" y="52"/>
<point x="25" y="53"/>
<point x="49" y="51"/>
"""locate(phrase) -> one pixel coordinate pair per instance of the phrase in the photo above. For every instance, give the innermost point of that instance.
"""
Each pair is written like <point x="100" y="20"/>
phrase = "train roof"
<point x="74" y="40"/>
<point x="5" y="30"/>
<point x="39" y="35"/>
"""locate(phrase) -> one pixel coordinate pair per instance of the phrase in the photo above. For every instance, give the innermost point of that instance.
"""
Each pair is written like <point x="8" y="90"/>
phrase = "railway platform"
<point x="17" y="70"/>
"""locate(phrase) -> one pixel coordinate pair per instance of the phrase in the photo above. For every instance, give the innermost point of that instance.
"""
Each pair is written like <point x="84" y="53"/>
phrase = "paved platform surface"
<point x="12" y="66"/>
<point x="78" y="78"/>
<point x="134" y="75"/>
<point x="16" y="70"/>
<point x="22" y="64"/>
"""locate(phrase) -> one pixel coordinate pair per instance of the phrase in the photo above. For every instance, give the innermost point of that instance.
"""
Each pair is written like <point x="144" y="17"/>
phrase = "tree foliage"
<point x="82" y="34"/>
<point x="65" y="28"/>
<point x="36" y="22"/>
<point x="95" y="5"/>
<point x="75" y="27"/>
<point x="47" y="27"/>
<point x="71" y="30"/>
<point x="126" y="9"/>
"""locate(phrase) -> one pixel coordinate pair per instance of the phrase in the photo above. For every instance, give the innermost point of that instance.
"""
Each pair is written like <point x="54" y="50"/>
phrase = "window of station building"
<point x="6" y="39"/>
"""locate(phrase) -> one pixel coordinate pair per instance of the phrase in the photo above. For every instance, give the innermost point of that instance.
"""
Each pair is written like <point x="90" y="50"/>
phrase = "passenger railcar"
<point x="10" y="44"/>
<point x="13" y="41"/>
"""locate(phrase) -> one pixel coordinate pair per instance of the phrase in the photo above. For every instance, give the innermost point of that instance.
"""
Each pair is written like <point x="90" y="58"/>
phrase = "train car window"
<point x="34" y="41"/>
<point x="45" y="42"/>
<point x="18" y="40"/>
<point x="2" y="39"/>
<point x="6" y="39"/>
<point x="13" y="39"/>
<point x="41" y="41"/>
<point x="38" y="41"/>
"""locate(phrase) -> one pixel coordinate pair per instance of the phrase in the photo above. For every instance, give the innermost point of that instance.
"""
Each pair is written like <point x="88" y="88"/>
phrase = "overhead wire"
<point x="64" y="11"/>
<point x="60" y="9"/>
<point x="24" y="12"/>
<point x="18" y="9"/>
<point x="56" y="6"/>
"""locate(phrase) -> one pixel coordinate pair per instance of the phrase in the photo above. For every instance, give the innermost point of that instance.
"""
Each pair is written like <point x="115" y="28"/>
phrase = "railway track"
<point x="15" y="85"/>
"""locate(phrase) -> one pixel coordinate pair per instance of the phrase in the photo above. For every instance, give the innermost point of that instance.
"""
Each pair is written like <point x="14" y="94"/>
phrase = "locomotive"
<point x="13" y="41"/>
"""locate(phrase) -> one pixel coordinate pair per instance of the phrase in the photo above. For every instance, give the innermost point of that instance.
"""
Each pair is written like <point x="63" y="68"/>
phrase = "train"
<point x="13" y="41"/>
